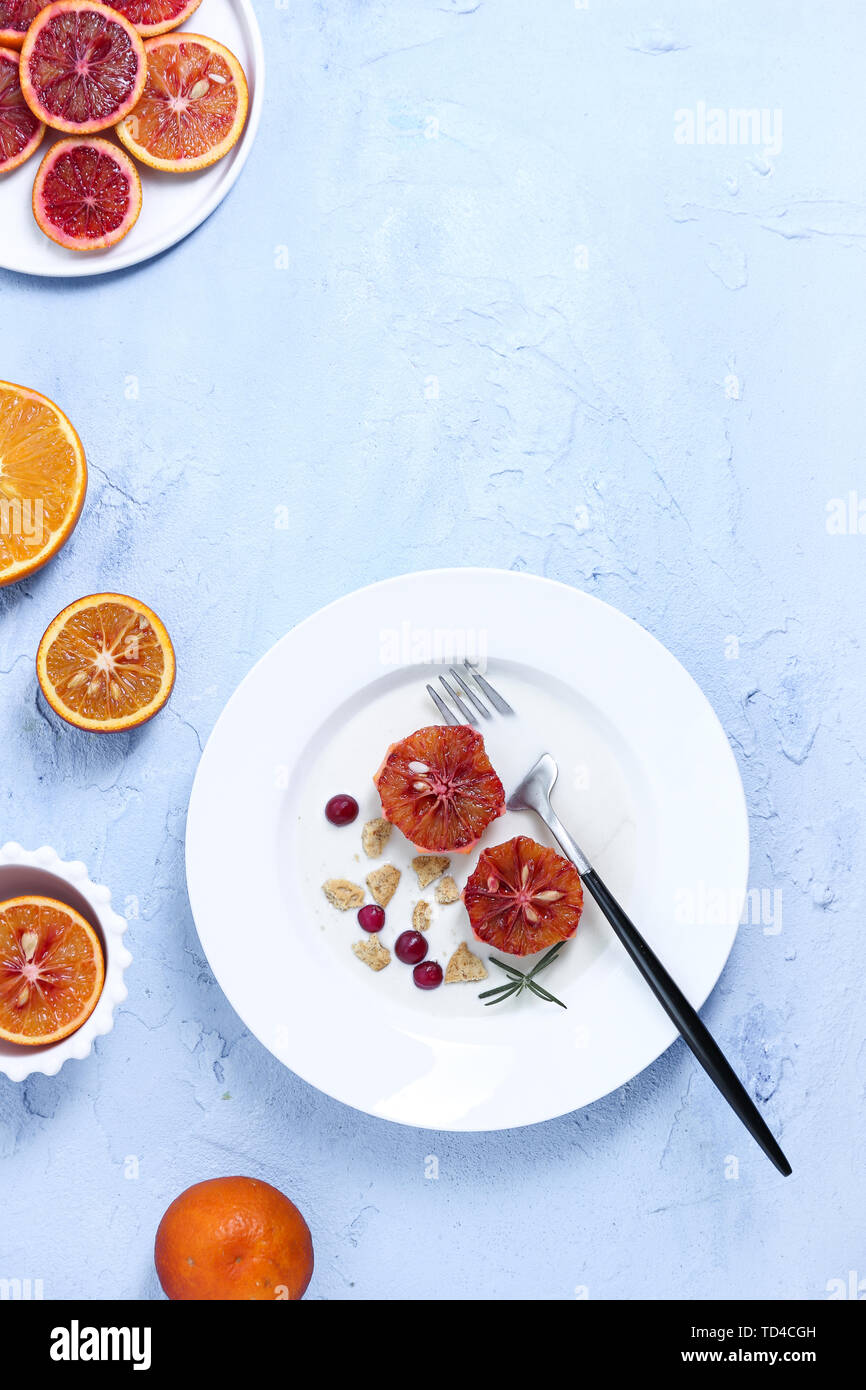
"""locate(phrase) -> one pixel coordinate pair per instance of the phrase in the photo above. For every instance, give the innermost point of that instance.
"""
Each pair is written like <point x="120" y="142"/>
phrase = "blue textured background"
<point x="469" y="284"/>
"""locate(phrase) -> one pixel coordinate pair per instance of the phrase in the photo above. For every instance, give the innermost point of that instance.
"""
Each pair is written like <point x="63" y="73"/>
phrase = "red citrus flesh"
<point x="83" y="66"/>
<point x="194" y="106"/>
<point x="523" y="897"/>
<point x="87" y="194"/>
<point x="51" y="971"/>
<point x="20" y="131"/>
<point x="155" y="16"/>
<point x="439" y="788"/>
<point x="16" y="16"/>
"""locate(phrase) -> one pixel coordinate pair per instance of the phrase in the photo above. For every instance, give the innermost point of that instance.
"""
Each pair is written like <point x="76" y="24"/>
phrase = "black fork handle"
<point x="687" y="1020"/>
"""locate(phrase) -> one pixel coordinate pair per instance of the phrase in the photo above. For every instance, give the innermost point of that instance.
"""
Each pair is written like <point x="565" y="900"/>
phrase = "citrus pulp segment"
<point x="106" y="663"/>
<point x="439" y="788"/>
<point x="52" y="970"/>
<point x="523" y="897"/>
<point x="43" y="480"/>
<point x="16" y="16"/>
<point x="83" y="66"/>
<point x="20" y="131"/>
<point x="193" y="108"/>
<point x="87" y="194"/>
<point x="155" y="16"/>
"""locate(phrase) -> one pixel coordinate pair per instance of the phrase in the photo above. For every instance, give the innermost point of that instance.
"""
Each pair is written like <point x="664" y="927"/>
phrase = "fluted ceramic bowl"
<point x="43" y="872"/>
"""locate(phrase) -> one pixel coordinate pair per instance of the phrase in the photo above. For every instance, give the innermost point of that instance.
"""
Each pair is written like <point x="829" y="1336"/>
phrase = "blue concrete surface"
<point x="473" y="301"/>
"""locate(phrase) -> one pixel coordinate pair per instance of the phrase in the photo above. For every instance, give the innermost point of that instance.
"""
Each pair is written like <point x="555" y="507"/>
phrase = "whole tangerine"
<point x="233" y="1238"/>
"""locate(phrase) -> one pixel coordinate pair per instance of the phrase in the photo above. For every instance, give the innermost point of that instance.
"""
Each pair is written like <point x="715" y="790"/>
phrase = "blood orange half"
<point x="193" y="108"/>
<point x="439" y="788"/>
<point x="16" y="16"/>
<point x="106" y="663"/>
<point x="51" y="971"/>
<point x="155" y="16"/>
<point x="20" y="130"/>
<point x="43" y="480"/>
<point x="83" y="66"/>
<point x="87" y="194"/>
<point x="523" y="897"/>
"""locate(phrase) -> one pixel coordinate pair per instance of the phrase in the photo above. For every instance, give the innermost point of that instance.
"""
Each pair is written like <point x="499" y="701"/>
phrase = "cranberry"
<point x="371" y="917"/>
<point x="342" y="810"/>
<point x="428" y="975"/>
<point x="410" y="947"/>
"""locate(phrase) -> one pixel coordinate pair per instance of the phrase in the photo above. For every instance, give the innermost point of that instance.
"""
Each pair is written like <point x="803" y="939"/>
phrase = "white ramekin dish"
<point x="42" y="871"/>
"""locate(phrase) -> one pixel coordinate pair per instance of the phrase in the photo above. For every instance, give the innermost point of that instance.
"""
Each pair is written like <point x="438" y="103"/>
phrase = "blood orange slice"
<point x="106" y="663"/>
<point x="16" y="16"/>
<point x="155" y="16"/>
<point x="87" y="194"/>
<point x="51" y="971"/>
<point x="439" y="788"/>
<point x="523" y="897"/>
<point x="20" y="130"/>
<point x="193" y="108"/>
<point x="43" y="479"/>
<point x="83" y="66"/>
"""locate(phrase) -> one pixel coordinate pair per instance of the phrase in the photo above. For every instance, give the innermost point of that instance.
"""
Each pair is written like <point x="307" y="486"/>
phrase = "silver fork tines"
<point x="447" y="714"/>
<point x="500" y="704"/>
<point x="468" y="716"/>
<point x="479" y="704"/>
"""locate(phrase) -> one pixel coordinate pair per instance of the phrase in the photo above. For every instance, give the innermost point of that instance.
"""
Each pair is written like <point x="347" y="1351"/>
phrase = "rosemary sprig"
<point x="518" y="981"/>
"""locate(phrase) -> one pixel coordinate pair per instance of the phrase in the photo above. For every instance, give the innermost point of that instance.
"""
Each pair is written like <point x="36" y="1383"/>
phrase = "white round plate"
<point x="648" y="786"/>
<point x="172" y="205"/>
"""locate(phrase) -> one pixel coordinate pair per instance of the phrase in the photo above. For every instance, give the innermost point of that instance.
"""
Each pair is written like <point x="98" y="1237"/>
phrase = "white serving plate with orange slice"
<point x="43" y="873"/>
<point x="173" y="205"/>
<point x="648" y="786"/>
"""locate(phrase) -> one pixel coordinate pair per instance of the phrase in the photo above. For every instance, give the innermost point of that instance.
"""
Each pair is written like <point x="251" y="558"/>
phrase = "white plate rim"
<point x="194" y="880"/>
<point x="123" y="258"/>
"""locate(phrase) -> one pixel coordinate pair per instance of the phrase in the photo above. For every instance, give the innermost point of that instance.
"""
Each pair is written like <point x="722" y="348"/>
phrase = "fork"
<point x="533" y="794"/>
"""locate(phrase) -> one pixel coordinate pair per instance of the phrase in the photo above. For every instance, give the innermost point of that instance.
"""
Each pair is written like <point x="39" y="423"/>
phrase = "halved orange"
<point x="83" y="66"/>
<point x="106" y="663"/>
<point x="193" y="107"/>
<point x="439" y="788"/>
<point x="523" y="897"/>
<point x="86" y="194"/>
<point x="43" y="479"/>
<point x="51" y="970"/>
